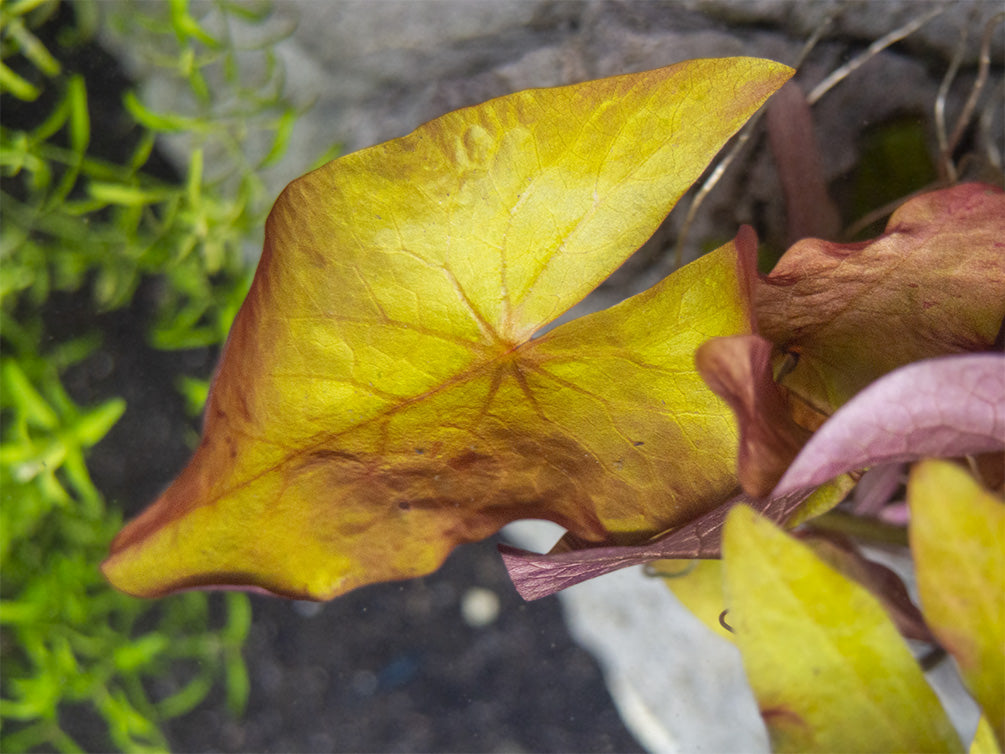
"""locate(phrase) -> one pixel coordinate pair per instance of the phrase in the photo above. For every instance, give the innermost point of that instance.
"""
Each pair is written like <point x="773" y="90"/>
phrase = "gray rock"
<point x="370" y="71"/>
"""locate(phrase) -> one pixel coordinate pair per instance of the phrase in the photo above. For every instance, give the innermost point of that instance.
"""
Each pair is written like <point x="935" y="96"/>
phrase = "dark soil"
<point x="396" y="668"/>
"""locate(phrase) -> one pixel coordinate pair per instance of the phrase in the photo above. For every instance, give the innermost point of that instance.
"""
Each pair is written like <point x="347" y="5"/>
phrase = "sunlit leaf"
<point x="957" y="537"/>
<point x="381" y="399"/>
<point x="945" y="407"/>
<point x="828" y="668"/>
<point x="933" y="284"/>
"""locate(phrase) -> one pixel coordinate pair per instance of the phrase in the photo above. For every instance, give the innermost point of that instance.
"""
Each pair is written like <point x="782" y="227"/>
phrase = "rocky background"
<point x="455" y="661"/>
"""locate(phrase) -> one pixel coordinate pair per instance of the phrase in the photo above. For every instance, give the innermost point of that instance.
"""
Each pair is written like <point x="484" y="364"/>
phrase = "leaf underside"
<point x="946" y="407"/>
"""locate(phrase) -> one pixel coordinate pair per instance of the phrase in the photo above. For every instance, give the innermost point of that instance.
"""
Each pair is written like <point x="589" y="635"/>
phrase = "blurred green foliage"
<point x="895" y="162"/>
<point x="79" y="221"/>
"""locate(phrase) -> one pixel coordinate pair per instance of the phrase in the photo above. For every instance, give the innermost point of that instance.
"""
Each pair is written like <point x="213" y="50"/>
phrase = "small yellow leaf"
<point x="957" y="535"/>
<point x="822" y="499"/>
<point x="698" y="584"/>
<point x="381" y="397"/>
<point x="828" y="668"/>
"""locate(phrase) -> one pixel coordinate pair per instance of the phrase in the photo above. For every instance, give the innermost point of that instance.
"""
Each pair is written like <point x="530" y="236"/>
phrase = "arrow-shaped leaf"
<point x="381" y="399"/>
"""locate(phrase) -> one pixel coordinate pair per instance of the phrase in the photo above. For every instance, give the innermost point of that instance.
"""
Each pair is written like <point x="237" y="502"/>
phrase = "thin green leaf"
<point x="165" y="122"/>
<point x="21" y="393"/>
<point x="125" y="195"/>
<point x="80" y="119"/>
<point x="187" y="699"/>
<point x="96" y="423"/>
<point x="284" y="130"/>
<point x="32" y="48"/>
<point x="185" y="26"/>
<point x="18" y="86"/>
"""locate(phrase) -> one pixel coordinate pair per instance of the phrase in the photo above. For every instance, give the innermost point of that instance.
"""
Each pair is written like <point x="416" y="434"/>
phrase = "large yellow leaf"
<point x="827" y="666"/>
<point x="381" y="398"/>
<point x="958" y="540"/>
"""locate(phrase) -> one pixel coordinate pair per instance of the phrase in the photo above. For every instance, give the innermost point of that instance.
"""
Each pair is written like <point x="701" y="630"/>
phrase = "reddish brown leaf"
<point x="932" y="284"/>
<point x="738" y="369"/>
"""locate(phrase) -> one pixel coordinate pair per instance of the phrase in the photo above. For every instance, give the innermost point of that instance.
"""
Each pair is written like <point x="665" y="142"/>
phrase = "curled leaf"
<point x="945" y="407"/>
<point x="381" y="399"/>
<point x="933" y="284"/>
<point x="957" y="534"/>
<point x="828" y="668"/>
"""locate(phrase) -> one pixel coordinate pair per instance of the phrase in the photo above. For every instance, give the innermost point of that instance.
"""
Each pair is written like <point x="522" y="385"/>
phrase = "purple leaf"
<point x="535" y="575"/>
<point x="946" y="407"/>
<point x="876" y="488"/>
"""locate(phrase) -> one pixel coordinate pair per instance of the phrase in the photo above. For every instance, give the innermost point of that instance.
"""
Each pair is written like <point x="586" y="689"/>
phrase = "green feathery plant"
<point x="96" y="223"/>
